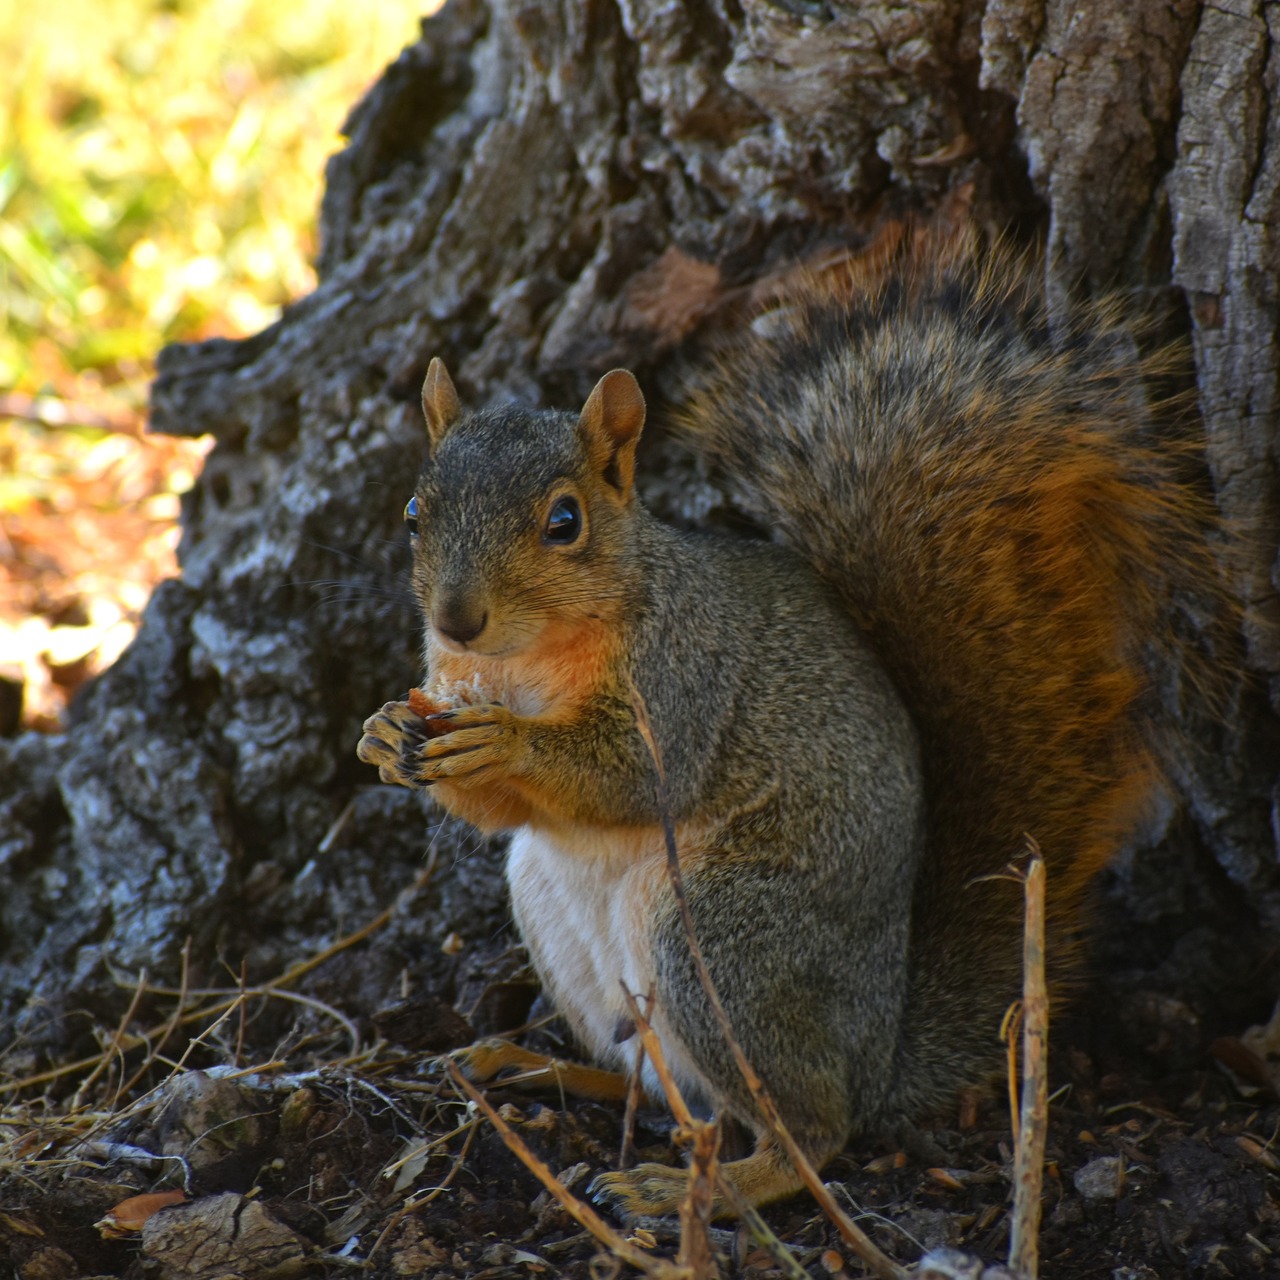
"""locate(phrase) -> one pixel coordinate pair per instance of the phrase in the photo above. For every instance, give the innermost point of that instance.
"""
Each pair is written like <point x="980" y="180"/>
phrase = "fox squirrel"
<point x="980" y="537"/>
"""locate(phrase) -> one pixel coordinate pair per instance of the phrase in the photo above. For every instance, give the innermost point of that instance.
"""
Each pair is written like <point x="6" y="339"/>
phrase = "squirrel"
<point x="978" y="537"/>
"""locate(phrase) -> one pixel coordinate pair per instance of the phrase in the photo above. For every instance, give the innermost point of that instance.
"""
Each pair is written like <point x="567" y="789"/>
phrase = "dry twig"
<point x="126" y="1041"/>
<point x="698" y="1206"/>
<point x="703" y="1140"/>
<point x="626" y="1153"/>
<point x="579" y="1211"/>
<point x="1033" y="1128"/>
<point x="417" y="1202"/>
<point x="1010" y="1026"/>
<point x="175" y="1019"/>
<point x="684" y="1118"/>
<point x="104" y="1059"/>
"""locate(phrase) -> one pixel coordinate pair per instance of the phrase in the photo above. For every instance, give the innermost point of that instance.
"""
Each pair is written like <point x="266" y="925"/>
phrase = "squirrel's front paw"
<point x="643" y="1192"/>
<point x="471" y="739"/>
<point x="392" y="739"/>
<point x="415" y="751"/>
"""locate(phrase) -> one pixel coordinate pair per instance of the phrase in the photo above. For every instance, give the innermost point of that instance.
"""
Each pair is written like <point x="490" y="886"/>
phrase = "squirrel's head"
<point x="521" y="518"/>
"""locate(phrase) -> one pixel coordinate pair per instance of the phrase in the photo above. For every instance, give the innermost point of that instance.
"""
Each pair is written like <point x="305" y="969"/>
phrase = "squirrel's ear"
<point x="611" y="422"/>
<point x="440" y="405"/>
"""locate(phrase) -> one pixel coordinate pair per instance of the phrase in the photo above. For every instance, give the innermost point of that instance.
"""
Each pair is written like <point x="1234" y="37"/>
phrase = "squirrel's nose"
<point x="459" y="621"/>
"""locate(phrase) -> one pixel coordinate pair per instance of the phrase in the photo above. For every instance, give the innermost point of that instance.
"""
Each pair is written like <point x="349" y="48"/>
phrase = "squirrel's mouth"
<point x="481" y="647"/>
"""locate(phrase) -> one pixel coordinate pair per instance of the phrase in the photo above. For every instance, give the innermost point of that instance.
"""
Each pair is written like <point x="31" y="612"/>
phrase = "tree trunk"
<point x="538" y="193"/>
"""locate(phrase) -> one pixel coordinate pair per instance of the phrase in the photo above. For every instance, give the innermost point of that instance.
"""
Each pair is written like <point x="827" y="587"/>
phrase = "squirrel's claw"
<point x="374" y="750"/>
<point x="391" y="740"/>
<point x="646" y="1191"/>
<point x="401" y="743"/>
<point x="478" y="737"/>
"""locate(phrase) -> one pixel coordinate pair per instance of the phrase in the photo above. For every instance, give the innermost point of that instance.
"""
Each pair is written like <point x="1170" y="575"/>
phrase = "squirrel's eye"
<point x="564" y="523"/>
<point x="411" y="516"/>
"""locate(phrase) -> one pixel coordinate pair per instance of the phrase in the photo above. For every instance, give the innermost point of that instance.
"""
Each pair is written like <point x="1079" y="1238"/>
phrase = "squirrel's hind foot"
<point x="649" y="1190"/>
<point x="646" y="1191"/>
<point x="486" y="1060"/>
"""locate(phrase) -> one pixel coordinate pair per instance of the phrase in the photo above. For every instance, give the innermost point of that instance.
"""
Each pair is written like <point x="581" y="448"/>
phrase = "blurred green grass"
<point x="161" y="166"/>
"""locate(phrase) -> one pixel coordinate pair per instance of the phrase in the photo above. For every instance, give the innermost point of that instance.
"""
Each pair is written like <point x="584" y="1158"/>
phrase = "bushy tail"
<point x="1001" y="515"/>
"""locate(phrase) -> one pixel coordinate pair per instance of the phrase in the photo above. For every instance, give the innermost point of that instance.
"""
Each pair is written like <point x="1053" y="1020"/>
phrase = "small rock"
<point x="224" y="1236"/>
<point x="1068" y="1212"/>
<point x="934" y="1228"/>
<point x="955" y="1264"/>
<point x="296" y="1113"/>
<point x="50" y="1264"/>
<point x="1101" y="1179"/>
<point x="427" y="1024"/>
<point x="213" y="1124"/>
<point x="950" y="1264"/>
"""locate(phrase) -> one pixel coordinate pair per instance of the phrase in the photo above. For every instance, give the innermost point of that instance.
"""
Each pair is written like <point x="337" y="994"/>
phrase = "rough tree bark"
<point x="538" y="192"/>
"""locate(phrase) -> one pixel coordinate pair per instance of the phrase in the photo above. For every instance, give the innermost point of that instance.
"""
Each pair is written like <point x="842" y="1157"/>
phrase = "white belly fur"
<point x="583" y="907"/>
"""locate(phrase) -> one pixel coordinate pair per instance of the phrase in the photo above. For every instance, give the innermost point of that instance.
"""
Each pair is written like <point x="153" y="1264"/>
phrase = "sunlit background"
<point x="160" y="172"/>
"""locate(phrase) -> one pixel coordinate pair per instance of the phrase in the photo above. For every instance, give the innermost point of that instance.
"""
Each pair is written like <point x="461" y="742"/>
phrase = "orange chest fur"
<point x="567" y="666"/>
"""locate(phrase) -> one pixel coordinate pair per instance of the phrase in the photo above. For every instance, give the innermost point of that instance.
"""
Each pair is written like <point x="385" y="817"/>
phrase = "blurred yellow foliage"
<point x="161" y="164"/>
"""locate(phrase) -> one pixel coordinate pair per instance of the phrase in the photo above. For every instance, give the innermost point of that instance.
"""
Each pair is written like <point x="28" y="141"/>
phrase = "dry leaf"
<point x="128" y="1217"/>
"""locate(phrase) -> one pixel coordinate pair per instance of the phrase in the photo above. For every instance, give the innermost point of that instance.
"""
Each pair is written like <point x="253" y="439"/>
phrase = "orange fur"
<point x="572" y="661"/>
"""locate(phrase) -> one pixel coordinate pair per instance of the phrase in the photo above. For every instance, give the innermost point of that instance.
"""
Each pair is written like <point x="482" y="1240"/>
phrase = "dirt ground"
<point x="380" y="1167"/>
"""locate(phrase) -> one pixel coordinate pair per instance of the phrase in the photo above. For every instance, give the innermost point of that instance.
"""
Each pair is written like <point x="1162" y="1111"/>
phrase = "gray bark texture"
<point x="538" y="193"/>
